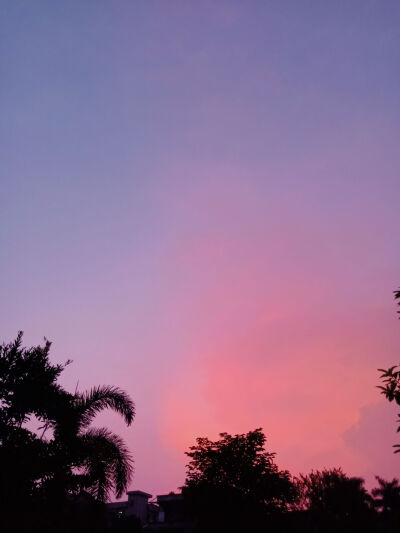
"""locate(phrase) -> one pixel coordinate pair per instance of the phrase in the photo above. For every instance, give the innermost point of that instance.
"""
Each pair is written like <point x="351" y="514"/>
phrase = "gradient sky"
<point x="199" y="203"/>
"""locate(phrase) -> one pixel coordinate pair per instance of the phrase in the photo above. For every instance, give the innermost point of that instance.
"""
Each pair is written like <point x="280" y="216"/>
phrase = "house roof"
<point x="117" y="505"/>
<point x="170" y="497"/>
<point x="139" y="493"/>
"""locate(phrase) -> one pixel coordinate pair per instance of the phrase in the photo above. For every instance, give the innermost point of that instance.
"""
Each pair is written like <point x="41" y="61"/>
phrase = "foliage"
<point x="387" y="495"/>
<point x="335" y="501"/>
<point x="397" y="297"/>
<point x="101" y="462"/>
<point x="28" y="384"/>
<point x="64" y="460"/>
<point x="234" y="477"/>
<point x="391" y="381"/>
<point x="329" y="490"/>
<point x="387" y="501"/>
<point x="28" y="387"/>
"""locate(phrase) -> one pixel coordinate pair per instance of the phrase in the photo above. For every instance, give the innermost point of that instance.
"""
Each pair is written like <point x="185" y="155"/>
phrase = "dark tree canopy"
<point x="331" y="491"/>
<point x="235" y="477"/>
<point x="336" y="502"/>
<point x="387" y="502"/>
<point x="391" y="381"/>
<point x="397" y="297"/>
<point x="28" y="387"/>
<point x="50" y="456"/>
<point x="28" y="383"/>
<point x="387" y="495"/>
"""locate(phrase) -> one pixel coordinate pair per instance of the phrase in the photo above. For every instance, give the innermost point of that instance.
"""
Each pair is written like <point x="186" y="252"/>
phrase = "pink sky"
<point x="199" y="204"/>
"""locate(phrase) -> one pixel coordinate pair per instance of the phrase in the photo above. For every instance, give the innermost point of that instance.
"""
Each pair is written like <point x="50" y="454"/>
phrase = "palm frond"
<point x="90" y="403"/>
<point x="107" y="461"/>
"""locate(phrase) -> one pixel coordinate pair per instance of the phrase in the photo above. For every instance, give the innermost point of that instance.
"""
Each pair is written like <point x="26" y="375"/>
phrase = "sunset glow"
<point x="200" y="204"/>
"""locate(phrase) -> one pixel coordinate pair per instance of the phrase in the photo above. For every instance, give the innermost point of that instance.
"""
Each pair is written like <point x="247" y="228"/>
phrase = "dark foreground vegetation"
<point x="233" y="484"/>
<point x="57" y="471"/>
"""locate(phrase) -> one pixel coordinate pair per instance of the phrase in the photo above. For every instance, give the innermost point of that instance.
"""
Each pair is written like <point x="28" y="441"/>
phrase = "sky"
<point x="199" y="204"/>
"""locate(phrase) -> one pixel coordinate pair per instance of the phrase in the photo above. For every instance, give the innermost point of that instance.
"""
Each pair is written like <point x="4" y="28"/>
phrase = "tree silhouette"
<point x="387" y="495"/>
<point x="28" y="388"/>
<point x="64" y="466"/>
<point x="335" y="501"/>
<point x="391" y="381"/>
<point x="233" y="481"/>
<point x="387" y="501"/>
<point x="94" y="459"/>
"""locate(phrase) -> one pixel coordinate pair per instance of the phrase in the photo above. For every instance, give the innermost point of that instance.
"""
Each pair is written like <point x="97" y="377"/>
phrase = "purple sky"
<point x="199" y="203"/>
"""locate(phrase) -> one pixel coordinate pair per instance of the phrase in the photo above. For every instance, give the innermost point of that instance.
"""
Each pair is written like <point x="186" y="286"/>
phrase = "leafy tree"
<point x="233" y="481"/>
<point x="28" y="387"/>
<point x="387" y="495"/>
<point x="391" y="381"/>
<point x="387" y="501"/>
<point x="65" y="466"/>
<point x="335" y="501"/>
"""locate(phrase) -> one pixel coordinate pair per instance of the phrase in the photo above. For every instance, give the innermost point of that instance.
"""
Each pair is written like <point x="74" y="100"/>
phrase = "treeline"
<point x="57" y="471"/>
<point x="233" y="484"/>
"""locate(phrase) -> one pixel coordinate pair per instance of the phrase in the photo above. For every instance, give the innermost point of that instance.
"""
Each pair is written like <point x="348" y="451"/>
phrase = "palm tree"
<point x="387" y="495"/>
<point x="94" y="460"/>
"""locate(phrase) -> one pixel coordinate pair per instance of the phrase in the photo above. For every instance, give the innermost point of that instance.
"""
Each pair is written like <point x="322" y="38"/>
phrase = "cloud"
<point x="303" y="388"/>
<point x="372" y="437"/>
